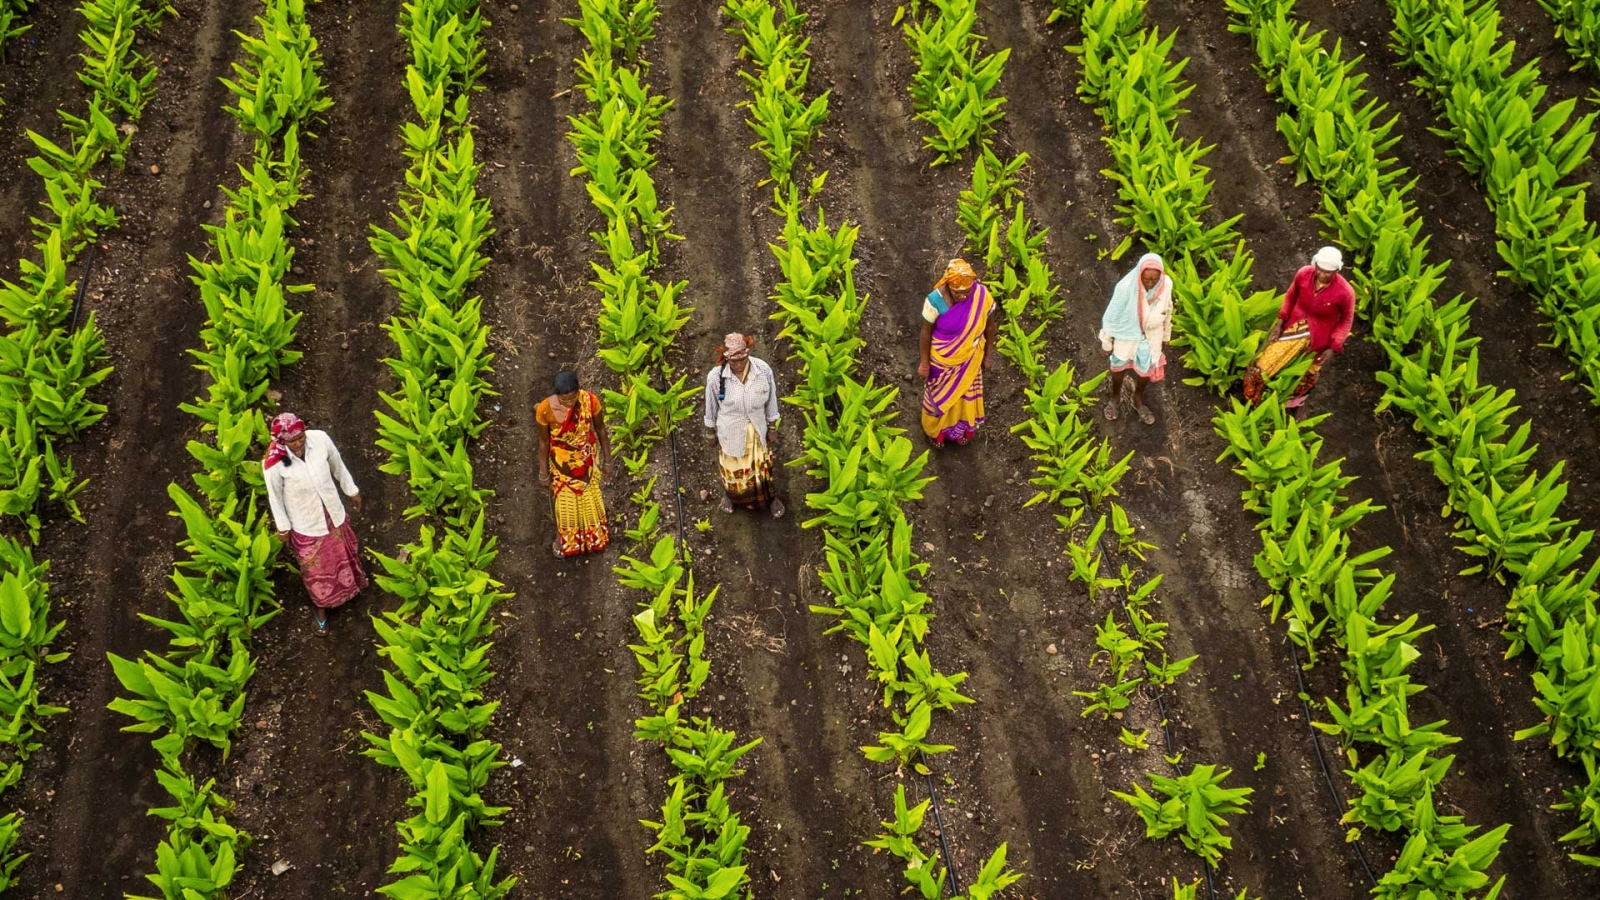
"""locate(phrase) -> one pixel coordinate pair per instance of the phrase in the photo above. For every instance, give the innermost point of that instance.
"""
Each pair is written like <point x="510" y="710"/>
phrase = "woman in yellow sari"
<point x="957" y="332"/>
<point x="572" y="441"/>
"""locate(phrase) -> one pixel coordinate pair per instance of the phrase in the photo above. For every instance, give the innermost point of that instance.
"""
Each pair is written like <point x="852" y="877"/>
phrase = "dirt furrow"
<point x="87" y="791"/>
<point x="776" y="675"/>
<point x="564" y="673"/>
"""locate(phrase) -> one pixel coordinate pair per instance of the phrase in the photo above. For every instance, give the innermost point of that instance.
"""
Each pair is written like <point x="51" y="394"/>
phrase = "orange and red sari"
<point x="575" y="475"/>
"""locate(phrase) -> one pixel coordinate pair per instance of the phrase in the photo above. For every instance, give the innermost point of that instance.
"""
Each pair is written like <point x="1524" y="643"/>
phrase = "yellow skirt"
<point x="748" y="478"/>
<point x="580" y="514"/>
<point x="1273" y="359"/>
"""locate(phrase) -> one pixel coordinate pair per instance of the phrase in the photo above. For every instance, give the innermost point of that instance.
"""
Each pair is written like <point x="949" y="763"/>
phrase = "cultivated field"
<point x="476" y="195"/>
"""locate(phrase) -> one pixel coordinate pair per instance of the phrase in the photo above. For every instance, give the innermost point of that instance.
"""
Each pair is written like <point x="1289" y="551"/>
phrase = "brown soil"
<point x="1028" y="769"/>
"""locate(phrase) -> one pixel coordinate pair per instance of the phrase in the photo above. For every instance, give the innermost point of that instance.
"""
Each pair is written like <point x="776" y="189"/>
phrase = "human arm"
<point x="544" y="450"/>
<point x="772" y="410"/>
<point x="1291" y="298"/>
<point x="713" y="402"/>
<point x="991" y="329"/>
<point x="1347" y="319"/>
<point x="926" y="364"/>
<point x="280" y="514"/>
<point x="341" y="474"/>
<point x="601" y="432"/>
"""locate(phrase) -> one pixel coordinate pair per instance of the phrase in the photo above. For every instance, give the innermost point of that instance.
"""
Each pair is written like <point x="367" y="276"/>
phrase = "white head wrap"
<point x="1328" y="259"/>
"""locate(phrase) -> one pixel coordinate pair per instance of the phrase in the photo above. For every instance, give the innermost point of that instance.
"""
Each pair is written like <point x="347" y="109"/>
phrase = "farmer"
<point x="742" y="410"/>
<point x="572" y="429"/>
<point x="1136" y="325"/>
<point x="957" y="333"/>
<point x="1315" y="319"/>
<point x="304" y="476"/>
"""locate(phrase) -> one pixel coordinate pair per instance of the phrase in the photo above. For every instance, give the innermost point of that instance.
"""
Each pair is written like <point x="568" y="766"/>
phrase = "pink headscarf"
<point x="736" y="346"/>
<point x="285" y="428"/>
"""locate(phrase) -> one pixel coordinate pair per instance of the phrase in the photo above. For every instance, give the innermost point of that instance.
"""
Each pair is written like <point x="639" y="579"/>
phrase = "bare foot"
<point x="727" y="504"/>
<point x="1111" y="411"/>
<point x="778" y="509"/>
<point x="1145" y="415"/>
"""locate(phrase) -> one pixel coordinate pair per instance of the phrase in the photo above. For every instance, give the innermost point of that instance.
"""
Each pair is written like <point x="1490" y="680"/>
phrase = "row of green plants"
<point x="699" y="834"/>
<point x="1523" y="156"/>
<point x="1506" y="515"/>
<point x="193" y="693"/>
<point x="639" y="316"/>
<point x="435" y="641"/>
<point x="954" y="87"/>
<point x="1319" y="585"/>
<point x="49" y="363"/>
<point x="865" y="467"/>
<point x="1578" y="26"/>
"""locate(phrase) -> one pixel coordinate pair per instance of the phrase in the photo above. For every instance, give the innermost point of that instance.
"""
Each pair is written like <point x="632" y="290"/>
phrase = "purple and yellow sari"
<point x="952" y="402"/>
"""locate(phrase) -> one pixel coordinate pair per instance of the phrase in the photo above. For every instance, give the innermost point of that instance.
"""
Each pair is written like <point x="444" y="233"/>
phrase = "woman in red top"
<point x="1314" y="321"/>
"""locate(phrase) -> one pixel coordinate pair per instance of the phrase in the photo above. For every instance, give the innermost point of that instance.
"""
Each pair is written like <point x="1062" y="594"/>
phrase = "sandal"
<point x="557" y="548"/>
<point x="778" y="508"/>
<point x="1146" y="416"/>
<point x="320" y="618"/>
<point x="1111" y="411"/>
<point x="727" y="504"/>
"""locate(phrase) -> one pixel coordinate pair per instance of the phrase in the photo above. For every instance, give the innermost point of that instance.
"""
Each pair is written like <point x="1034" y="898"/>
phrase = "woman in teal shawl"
<point x="1136" y="325"/>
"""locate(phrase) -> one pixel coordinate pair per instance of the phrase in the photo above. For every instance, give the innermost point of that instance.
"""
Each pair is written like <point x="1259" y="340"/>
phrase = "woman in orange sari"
<point x="572" y="441"/>
<point x="957" y="332"/>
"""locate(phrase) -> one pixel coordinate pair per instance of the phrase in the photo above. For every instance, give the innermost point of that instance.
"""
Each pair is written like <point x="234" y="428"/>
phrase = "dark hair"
<point x="566" y="381"/>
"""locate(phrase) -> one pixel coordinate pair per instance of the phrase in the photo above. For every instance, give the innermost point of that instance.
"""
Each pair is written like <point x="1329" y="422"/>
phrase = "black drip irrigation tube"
<point x="83" y="283"/>
<point x="938" y="821"/>
<point x="1322" y="760"/>
<point x="77" y="307"/>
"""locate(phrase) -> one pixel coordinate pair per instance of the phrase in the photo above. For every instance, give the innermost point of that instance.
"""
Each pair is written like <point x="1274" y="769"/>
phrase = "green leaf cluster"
<point x="1524" y="157"/>
<point x="49" y="364"/>
<point x="954" y="85"/>
<point x="1196" y="807"/>
<point x="639" y="316"/>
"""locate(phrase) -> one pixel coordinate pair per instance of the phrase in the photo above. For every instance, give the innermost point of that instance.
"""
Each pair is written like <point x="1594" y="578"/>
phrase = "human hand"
<point x="283" y="538"/>
<point x="355" y="503"/>
<point x="544" y="476"/>
<point x="924" y="369"/>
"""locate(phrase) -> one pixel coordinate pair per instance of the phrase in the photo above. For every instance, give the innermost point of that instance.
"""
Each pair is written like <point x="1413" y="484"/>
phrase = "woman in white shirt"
<point x="304" y="476"/>
<point x="742" y="408"/>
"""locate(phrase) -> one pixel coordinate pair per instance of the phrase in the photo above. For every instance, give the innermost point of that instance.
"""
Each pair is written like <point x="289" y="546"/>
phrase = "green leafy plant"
<point x="1195" y="806"/>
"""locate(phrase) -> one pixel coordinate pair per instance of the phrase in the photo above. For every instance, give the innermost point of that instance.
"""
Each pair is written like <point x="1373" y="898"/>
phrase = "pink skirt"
<point x="330" y="564"/>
